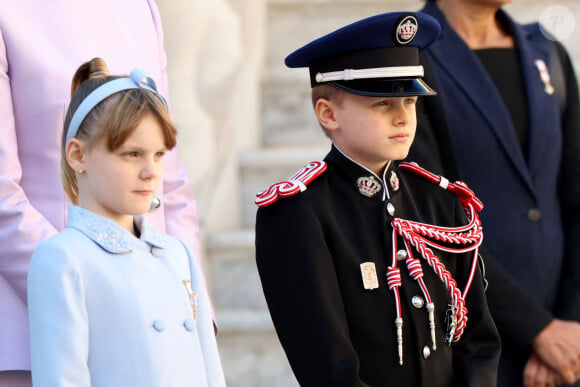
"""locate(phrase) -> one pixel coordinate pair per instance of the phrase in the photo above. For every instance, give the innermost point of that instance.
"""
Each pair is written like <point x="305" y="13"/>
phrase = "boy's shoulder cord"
<point x="424" y="238"/>
<point x="295" y="184"/>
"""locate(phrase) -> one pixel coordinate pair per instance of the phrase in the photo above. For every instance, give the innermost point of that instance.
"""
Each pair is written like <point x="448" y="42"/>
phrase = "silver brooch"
<point x="368" y="186"/>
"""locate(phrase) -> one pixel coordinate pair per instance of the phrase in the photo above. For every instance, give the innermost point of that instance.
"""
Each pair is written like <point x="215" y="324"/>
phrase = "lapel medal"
<point x="369" y="275"/>
<point x="544" y="76"/>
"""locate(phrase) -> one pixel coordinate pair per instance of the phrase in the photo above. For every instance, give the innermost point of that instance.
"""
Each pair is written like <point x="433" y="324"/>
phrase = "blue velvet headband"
<point x="138" y="79"/>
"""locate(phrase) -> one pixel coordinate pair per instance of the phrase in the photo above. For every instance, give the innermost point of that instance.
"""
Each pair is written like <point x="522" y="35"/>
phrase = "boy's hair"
<point x="329" y="93"/>
<point x="112" y="120"/>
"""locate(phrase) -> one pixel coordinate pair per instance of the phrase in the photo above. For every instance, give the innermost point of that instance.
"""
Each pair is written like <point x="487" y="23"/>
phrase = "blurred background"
<point x="245" y="121"/>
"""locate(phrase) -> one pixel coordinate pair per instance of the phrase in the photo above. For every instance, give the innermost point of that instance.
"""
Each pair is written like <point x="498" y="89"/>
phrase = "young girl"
<point x="112" y="301"/>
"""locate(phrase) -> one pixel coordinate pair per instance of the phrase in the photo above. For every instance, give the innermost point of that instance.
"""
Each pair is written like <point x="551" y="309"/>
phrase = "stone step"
<point x="251" y="353"/>
<point x="287" y="114"/>
<point x="263" y="167"/>
<point x="233" y="277"/>
<point x="243" y="320"/>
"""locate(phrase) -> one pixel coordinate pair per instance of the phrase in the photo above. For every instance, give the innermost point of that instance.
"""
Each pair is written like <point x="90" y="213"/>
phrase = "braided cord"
<point x="420" y="236"/>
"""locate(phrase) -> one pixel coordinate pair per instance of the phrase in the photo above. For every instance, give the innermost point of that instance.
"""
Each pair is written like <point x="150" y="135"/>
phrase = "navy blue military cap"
<point x="376" y="56"/>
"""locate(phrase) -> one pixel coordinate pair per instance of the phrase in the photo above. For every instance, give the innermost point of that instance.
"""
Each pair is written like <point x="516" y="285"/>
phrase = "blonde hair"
<point x="112" y="121"/>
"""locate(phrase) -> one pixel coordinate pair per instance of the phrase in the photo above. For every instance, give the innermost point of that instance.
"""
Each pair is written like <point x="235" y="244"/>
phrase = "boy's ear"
<point x="75" y="154"/>
<point x="325" y="112"/>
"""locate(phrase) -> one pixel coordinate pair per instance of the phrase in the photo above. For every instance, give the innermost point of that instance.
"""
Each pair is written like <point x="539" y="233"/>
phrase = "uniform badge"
<point x="368" y="186"/>
<point x="394" y="181"/>
<point x="544" y="76"/>
<point x="406" y="30"/>
<point x="369" y="275"/>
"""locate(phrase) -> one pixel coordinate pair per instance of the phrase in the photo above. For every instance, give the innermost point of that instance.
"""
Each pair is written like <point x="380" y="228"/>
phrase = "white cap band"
<point x="379" y="72"/>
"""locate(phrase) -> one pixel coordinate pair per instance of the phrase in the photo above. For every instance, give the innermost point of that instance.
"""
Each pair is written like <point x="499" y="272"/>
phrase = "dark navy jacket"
<point x="309" y="248"/>
<point x="531" y="222"/>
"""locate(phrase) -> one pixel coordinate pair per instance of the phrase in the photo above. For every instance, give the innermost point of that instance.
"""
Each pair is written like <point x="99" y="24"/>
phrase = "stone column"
<point x="204" y="47"/>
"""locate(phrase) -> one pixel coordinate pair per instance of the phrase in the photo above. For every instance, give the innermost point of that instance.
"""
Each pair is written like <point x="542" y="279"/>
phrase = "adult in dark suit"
<point x="498" y="125"/>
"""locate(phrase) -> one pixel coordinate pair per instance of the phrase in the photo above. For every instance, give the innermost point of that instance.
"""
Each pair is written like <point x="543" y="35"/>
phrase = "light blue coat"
<point x="108" y="309"/>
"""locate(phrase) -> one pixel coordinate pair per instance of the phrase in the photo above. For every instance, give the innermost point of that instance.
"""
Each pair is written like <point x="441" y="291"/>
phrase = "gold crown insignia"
<point x="368" y="186"/>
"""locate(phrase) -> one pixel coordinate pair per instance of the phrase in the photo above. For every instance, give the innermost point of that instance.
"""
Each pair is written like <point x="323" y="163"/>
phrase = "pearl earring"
<point x="155" y="203"/>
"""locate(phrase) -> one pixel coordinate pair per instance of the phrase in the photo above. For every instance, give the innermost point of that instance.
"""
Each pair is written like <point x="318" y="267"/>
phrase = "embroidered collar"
<point x="109" y="235"/>
<point x="353" y="169"/>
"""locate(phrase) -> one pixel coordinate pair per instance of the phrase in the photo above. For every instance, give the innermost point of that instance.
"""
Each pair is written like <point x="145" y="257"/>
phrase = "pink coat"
<point x="41" y="45"/>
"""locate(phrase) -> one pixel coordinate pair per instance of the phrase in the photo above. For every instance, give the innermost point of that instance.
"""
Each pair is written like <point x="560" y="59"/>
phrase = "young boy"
<point x="369" y="269"/>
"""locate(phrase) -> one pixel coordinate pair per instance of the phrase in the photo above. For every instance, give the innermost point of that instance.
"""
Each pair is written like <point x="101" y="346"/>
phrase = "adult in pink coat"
<point x="41" y="45"/>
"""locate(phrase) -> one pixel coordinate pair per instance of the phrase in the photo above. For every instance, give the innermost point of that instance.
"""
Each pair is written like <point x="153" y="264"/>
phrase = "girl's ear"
<point x="325" y="112"/>
<point x="75" y="154"/>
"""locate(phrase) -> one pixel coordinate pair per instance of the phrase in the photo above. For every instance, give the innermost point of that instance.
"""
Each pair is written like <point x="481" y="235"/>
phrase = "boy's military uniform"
<point x="362" y="288"/>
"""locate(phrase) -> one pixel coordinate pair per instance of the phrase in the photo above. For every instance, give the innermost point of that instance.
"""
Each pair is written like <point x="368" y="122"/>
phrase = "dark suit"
<point x="467" y="132"/>
<point x="336" y="333"/>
